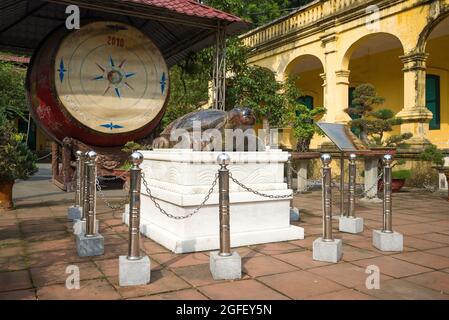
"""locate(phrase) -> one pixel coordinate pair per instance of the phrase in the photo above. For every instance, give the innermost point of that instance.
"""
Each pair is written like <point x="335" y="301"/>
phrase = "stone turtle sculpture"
<point x="180" y="134"/>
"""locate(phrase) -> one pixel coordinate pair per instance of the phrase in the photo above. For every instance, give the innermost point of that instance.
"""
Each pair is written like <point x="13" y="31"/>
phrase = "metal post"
<point x="85" y="202"/>
<point x="79" y="179"/>
<point x="91" y="193"/>
<point x="352" y="177"/>
<point x="387" y="201"/>
<point x="134" y="207"/>
<point x="342" y="186"/>
<point x="219" y="70"/>
<point x="290" y="177"/>
<point x="327" y="197"/>
<point x="223" y="185"/>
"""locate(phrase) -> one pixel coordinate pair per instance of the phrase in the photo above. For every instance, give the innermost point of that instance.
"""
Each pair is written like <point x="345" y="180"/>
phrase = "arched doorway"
<point x="435" y="43"/>
<point x="309" y="71"/>
<point x="375" y="59"/>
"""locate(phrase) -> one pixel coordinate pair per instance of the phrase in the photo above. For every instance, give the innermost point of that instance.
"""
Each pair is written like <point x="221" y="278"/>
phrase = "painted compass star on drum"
<point x="116" y="76"/>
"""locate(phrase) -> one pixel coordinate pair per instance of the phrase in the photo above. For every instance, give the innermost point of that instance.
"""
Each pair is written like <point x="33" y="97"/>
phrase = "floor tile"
<point x="300" y="284"/>
<point x="241" y="290"/>
<point x="392" y="267"/>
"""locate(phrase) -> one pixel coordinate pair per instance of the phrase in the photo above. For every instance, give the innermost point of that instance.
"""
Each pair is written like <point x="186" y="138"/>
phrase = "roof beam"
<point x="26" y="15"/>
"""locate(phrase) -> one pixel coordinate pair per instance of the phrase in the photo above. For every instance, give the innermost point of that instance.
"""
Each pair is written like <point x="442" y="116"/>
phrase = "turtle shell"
<point x="207" y="118"/>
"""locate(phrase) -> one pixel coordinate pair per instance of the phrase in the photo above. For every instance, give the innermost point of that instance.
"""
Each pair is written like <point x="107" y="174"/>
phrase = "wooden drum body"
<point x="104" y="84"/>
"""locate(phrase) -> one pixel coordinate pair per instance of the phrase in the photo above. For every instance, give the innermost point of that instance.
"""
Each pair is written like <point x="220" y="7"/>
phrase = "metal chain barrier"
<point x="334" y="184"/>
<point x="271" y="196"/>
<point x="312" y="182"/>
<point x="115" y="177"/>
<point x="195" y="211"/>
<point x="44" y="157"/>
<point x="375" y="184"/>
<point x="121" y="204"/>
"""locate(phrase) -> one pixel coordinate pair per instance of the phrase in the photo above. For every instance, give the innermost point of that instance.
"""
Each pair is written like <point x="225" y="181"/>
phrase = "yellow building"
<point x="399" y="46"/>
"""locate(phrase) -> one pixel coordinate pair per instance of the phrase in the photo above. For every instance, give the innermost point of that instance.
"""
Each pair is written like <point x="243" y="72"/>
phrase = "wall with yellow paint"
<point x="438" y="64"/>
<point x="398" y="74"/>
<point x="384" y="71"/>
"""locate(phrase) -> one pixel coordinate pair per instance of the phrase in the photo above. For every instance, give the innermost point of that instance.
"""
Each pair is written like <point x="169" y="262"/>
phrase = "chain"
<point x="335" y="184"/>
<point x="427" y="184"/>
<point x="42" y="158"/>
<point x="271" y="196"/>
<point x="309" y="182"/>
<point x="157" y="205"/>
<point x="121" y="204"/>
<point x="364" y="193"/>
<point x="115" y="177"/>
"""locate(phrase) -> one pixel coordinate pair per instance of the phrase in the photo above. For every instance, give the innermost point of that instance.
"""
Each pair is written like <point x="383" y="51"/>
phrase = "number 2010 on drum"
<point x="116" y="42"/>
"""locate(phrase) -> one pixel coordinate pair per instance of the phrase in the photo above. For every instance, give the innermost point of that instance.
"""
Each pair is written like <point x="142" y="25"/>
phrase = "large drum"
<point x="104" y="84"/>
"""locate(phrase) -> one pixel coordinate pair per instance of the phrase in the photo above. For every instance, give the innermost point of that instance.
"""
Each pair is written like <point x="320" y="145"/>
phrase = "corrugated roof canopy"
<point x="177" y="27"/>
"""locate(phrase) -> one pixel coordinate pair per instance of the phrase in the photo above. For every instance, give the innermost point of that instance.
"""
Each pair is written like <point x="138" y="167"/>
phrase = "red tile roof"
<point x="189" y="7"/>
<point x="14" y="59"/>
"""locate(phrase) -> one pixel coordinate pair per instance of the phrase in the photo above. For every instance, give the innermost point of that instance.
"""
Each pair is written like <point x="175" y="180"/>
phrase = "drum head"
<point x="110" y="77"/>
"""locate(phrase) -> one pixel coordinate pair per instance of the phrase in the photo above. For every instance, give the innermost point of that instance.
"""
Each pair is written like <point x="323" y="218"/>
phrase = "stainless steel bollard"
<point x="85" y="201"/>
<point x="327" y="197"/>
<point x="387" y="201"/>
<point x="91" y="193"/>
<point x="223" y="185"/>
<point x="290" y="177"/>
<point x="79" y="179"/>
<point x="352" y="179"/>
<point x="134" y="207"/>
<point x="343" y="212"/>
<point x="289" y="173"/>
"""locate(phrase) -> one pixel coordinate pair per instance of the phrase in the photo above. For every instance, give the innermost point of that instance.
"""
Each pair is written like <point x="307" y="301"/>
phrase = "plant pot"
<point x="6" y="194"/>
<point x="396" y="185"/>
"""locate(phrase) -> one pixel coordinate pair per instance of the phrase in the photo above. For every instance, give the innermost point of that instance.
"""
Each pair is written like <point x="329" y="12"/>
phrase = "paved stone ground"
<point x="36" y="246"/>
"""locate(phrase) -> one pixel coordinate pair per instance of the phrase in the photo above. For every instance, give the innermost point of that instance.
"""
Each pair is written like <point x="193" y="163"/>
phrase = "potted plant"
<point x="432" y="154"/>
<point x="16" y="160"/>
<point x="436" y="157"/>
<point x="398" y="178"/>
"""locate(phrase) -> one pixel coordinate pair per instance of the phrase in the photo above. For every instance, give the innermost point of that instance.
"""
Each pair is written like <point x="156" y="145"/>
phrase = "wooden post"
<point x="54" y="160"/>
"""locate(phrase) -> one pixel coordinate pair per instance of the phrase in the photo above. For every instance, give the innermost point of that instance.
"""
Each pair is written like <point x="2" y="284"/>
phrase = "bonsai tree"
<point x="432" y="154"/>
<point x="129" y="148"/>
<point x="371" y="125"/>
<point x="16" y="160"/>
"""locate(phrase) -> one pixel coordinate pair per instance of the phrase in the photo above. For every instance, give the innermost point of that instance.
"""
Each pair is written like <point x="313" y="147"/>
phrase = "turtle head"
<point x="242" y="117"/>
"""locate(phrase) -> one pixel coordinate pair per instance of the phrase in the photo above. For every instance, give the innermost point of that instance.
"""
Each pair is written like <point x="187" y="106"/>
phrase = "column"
<point x="341" y="96"/>
<point x="336" y="82"/>
<point x="415" y="114"/>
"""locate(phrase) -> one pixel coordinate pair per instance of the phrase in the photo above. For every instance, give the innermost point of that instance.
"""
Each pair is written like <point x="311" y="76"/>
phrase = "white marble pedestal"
<point x="179" y="179"/>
